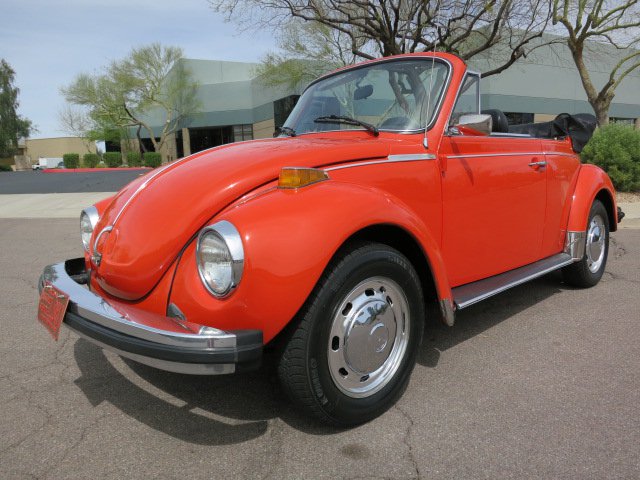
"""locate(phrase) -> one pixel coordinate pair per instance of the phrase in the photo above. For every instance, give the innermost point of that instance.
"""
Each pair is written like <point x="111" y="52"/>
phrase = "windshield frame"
<point x="427" y="58"/>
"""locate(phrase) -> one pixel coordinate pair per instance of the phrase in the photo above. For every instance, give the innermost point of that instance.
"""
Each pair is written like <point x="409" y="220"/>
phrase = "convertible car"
<point x="387" y="188"/>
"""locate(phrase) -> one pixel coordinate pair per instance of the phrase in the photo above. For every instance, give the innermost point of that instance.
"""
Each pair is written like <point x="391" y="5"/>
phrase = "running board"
<point x="474" y="292"/>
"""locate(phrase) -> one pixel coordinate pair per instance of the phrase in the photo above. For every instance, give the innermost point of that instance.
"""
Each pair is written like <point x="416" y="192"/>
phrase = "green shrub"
<point x="616" y="149"/>
<point x="90" y="160"/>
<point x="152" y="159"/>
<point x="112" y="159"/>
<point x="5" y="168"/>
<point x="134" y="159"/>
<point x="71" y="160"/>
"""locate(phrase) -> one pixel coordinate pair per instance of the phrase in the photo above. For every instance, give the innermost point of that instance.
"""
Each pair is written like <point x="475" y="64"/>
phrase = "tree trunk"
<point x="602" y="112"/>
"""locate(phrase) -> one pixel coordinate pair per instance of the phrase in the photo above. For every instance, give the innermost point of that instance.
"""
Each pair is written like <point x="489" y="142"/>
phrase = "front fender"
<point x="592" y="182"/>
<point x="289" y="238"/>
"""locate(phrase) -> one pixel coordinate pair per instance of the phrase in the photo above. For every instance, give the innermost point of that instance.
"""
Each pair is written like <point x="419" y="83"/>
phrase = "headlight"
<point x="220" y="258"/>
<point x="88" y="220"/>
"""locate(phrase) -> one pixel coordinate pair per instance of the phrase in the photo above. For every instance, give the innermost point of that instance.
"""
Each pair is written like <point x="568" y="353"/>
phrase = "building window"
<point x="282" y="108"/>
<point x="242" y="132"/>
<point x="625" y="121"/>
<point x="519" y="118"/>
<point x="203" y="138"/>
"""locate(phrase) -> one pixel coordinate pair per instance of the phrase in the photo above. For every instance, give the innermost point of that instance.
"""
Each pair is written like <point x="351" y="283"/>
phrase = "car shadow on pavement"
<point x="482" y="316"/>
<point x="205" y="410"/>
<point x="212" y="410"/>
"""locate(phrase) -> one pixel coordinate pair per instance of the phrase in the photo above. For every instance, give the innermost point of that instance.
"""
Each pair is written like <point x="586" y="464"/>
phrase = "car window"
<point x="393" y="95"/>
<point x="468" y="99"/>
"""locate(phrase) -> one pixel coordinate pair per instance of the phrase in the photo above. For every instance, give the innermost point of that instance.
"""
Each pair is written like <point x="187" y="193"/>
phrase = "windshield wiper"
<point x="348" y="121"/>
<point x="286" y="130"/>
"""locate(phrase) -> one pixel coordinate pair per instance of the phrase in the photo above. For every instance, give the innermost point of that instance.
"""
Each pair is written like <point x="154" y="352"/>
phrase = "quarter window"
<point x="468" y="101"/>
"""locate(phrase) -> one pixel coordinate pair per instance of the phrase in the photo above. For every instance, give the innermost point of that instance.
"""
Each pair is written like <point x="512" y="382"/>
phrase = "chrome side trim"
<point x="514" y="154"/>
<point x="574" y="245"/>
<point x="447" y="309"/>
<point x="466" y="295"/>
<point x="421" y="157"/>
<point x="560" y="154"/>
<point x="412" y="157"/>
<point x="176" y="367"/>
<point x="481" y="155"/>
<point x="97" y="310"/>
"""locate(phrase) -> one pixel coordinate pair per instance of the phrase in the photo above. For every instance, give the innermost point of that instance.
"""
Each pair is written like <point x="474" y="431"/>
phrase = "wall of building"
<point x="263" y="129"/>
<point x="547" y="82"/>
<point x="56" y="147"/>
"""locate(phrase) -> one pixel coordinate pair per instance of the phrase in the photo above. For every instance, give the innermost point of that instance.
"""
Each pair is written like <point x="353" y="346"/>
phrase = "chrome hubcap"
<point x="369" y="336"/>
<point x="595" y="243"/>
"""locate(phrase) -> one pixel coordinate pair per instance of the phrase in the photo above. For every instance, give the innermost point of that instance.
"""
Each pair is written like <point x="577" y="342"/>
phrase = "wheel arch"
<point x="609" y="204"/>
<point x="432" y="276"/>
<point x="593" y="184"/>
<point x="398" y="238"/>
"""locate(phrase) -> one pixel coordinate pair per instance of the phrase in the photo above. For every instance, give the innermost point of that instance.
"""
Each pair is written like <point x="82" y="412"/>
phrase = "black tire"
<point x="304" y="369"/>
<point x="588" y="271"/>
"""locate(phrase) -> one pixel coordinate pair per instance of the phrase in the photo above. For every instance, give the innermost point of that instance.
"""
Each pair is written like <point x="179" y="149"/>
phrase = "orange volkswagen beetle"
<point x="330" y="239"/>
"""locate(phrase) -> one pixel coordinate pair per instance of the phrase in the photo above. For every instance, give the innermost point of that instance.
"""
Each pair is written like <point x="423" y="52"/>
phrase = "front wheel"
<point x="355" y="344"/>
<point x="588" y="271"/>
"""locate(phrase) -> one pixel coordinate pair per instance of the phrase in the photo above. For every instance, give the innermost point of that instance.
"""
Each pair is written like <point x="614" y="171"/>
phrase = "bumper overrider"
<point x="140" y="336"/>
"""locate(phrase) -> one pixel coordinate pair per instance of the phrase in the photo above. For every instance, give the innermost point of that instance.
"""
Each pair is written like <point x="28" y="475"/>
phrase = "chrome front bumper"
<point x="149" y="338"/>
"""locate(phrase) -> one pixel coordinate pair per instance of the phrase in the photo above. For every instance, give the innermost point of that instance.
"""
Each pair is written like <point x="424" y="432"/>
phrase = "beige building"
<point x="56" y="147"/>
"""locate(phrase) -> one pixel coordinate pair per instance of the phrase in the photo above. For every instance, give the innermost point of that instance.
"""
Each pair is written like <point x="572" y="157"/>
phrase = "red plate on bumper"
<point x="51" y="309"/>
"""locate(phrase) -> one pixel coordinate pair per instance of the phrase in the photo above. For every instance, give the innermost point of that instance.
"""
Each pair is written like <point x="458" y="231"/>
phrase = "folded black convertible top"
<point x="579" y="127"/>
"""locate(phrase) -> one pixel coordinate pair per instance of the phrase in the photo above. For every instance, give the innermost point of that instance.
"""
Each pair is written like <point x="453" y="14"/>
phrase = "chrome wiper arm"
<point x="348" y="121"/>
<point x="286" y="130"/>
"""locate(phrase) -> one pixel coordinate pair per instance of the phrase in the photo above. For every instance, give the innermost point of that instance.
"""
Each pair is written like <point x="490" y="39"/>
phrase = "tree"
<point x="307" y="51"/>
<point x="12" y="126"/>
<point x="601" y="22"/>
<point x="388" y="27"/>
<point x="77" y="123"/>
<point x="150" y="83"/>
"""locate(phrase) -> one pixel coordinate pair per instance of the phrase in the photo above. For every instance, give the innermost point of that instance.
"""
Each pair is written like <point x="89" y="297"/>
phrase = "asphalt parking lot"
<point x="65" y="182"/>
<point x="540" y="382"/>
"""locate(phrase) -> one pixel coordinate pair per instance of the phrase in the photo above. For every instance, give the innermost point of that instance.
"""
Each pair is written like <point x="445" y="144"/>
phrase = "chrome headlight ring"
<point x="88" y="220"/>
<point x="220" y="258"/>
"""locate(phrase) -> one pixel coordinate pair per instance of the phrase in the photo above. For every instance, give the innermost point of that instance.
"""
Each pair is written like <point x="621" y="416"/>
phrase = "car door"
<point x="494" y="199"/>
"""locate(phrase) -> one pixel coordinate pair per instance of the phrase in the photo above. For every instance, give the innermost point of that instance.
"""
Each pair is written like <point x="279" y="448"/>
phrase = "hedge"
<point x="134" y="159"/>
<point x="90" y="160"/>
<point x="5" y="168"/>
<point x="616" y="149"/>
<point x="71" y="160"/>
<point x="152" y="159"/>
<point x="112" y="159"/>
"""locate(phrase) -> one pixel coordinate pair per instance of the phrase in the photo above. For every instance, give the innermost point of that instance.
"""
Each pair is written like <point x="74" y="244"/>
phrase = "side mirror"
<point x="471" y="123"/>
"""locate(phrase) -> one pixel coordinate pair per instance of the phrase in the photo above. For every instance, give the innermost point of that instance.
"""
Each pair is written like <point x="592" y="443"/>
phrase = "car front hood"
<point x="154" y="217"/>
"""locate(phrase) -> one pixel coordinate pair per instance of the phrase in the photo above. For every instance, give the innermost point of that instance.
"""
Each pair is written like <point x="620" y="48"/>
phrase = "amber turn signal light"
<point x="295" y="177"/>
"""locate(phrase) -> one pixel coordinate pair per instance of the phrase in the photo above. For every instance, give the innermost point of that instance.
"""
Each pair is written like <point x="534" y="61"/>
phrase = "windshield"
<point x="390" y="95"/>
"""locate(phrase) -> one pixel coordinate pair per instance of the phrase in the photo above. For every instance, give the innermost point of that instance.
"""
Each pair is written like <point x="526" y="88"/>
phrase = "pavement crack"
<point x="67" y="451"/>
<point x="275" y="442"/>
<point x="407" y="440"/>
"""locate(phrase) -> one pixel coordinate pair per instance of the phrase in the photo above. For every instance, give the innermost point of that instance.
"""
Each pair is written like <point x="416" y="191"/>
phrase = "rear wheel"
<point x="354" y="347"/>
<point x="589" y="270"/>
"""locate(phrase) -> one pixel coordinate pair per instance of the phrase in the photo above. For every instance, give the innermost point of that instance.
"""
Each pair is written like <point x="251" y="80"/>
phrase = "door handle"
<point x="538" y="164"/>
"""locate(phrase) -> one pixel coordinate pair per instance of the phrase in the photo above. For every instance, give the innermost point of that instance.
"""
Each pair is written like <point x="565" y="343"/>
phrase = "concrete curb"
<point x="631" y="215"/>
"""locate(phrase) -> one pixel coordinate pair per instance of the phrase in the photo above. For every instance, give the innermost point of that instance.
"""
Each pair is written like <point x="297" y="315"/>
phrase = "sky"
<point x="49" y="42"/>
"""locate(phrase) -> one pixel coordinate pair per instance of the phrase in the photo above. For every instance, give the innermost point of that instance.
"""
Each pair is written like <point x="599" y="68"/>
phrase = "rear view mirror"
<point x="363" y="92"/>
